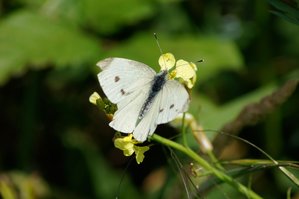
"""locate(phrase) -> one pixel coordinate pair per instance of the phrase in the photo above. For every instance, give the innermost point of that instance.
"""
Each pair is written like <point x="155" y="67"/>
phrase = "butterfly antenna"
<point x="157" y="40"/>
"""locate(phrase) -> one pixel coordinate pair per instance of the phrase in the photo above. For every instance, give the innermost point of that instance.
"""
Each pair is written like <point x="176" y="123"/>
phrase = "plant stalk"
<point x="202" y="162"/>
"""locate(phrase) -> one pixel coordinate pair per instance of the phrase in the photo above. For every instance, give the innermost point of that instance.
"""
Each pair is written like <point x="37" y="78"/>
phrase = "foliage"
<point x="25" y="41"/>
<point x="287" y="10"/>
<point x="62" y="146"/>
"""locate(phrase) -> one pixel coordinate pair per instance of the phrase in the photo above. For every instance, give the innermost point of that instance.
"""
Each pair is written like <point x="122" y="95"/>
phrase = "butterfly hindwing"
<point x="174" y="100"/>
<point x="148" y="124"/>
<point x="121" y="77"/>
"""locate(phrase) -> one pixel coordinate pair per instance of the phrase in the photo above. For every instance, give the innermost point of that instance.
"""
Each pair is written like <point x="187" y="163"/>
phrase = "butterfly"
<point x="143" y="97"/>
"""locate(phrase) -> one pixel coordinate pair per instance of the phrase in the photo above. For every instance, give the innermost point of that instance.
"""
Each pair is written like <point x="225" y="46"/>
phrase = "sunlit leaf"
<point x="101" y="16"/>
<point x="218" y="54"/>
<point x="30" y="40"/>
<point x="214" y="117"/>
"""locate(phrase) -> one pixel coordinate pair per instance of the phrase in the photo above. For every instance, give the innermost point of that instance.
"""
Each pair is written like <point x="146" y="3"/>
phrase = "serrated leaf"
<point x="30" y="40"/>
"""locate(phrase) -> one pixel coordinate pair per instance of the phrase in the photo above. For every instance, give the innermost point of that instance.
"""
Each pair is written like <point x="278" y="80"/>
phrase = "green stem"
<point x="214" y="160"/>
<point x="219" y="174"/>
<point x="184" y="131"/>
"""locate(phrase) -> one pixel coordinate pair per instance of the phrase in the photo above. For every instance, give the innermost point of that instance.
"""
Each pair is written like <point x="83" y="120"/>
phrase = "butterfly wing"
<point x="121" y="77"/>
<point x="126" y="83"/>
<point x="174" y="100"/>
<point x="126" y="116"/>
<point x="148" y="123"/>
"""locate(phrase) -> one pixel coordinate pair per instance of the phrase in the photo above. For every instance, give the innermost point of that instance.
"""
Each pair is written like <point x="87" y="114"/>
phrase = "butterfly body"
<point x="144" y="98"/>
<point x="158" y="82"/>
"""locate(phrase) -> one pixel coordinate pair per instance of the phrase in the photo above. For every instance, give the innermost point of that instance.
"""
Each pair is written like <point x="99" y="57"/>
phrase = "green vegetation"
<point x="55" y="144"/>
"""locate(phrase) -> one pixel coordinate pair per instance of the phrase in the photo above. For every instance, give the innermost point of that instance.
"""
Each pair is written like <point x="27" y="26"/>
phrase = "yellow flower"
<point x="103" y="104"/>
<point x="166" y="61"/>
<point x="186" y="71"/>
<point x="94" y="97"/>
<point x="128" y="145"/>
<point x="139" y="151"/>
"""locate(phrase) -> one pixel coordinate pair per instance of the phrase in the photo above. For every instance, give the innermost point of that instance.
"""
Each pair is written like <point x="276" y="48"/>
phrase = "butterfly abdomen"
<point x="158" y="83"/>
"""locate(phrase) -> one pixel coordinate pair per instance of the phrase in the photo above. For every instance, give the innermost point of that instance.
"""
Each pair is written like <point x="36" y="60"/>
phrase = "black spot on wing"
<point x="122" y="91"/>
<point x="171" y="106"/>
<point x="116" y="78"/>
<point x="161" y="110"/>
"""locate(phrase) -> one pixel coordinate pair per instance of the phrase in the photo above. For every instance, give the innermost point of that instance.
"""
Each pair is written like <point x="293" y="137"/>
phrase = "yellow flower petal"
<point x="126" y="144"/>
<point x="186" y="71"/>
<point x="128" y="138"/>
<point x="94" y="97"/>
<point x="166" y="61"/>
<point x="139" y="151"/>
<point x="193" y="80"/>
<point x="189" y="83"/>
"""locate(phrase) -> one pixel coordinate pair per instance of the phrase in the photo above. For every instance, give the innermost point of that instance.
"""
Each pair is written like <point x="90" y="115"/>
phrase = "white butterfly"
<point x="144" y="98"/>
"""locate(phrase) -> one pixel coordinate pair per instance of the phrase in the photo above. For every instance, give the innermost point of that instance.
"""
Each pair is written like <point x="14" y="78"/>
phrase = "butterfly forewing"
<point x="121" y="77"/>
<point x="126" y="116"/>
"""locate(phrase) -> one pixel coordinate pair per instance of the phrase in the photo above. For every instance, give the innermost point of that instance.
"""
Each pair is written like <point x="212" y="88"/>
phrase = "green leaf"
<point x="286" y="10"/>
<point x="214" y="117"/>
<point x="287" y="182"/>
<point x="217" y="54"/>
<point x="108" y="16"/>
<point x="30" y="40"/>
<point x="103" y="16"/>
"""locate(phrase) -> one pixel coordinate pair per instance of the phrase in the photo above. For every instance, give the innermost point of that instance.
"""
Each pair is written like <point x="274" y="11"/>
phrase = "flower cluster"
<point x="186" y="71"/>
<point x="128" y="145"/>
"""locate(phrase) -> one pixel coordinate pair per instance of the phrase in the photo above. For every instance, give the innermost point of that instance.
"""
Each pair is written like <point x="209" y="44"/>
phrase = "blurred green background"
<point x="55" y="144"/>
